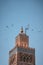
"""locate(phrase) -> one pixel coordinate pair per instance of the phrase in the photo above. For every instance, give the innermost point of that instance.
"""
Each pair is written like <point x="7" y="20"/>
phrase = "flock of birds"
<point x="11" y="26"/>
<point x="28" y="27"/>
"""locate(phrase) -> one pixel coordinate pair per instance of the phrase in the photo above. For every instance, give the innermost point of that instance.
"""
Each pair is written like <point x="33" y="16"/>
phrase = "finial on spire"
<point x="21" y="30"/>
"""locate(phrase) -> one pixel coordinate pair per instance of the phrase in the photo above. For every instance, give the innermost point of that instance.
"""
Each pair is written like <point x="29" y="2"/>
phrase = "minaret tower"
<point x="22" y="54"/>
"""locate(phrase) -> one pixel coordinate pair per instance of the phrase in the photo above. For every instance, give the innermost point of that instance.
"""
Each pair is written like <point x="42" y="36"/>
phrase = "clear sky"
<point x="13" y="15"/>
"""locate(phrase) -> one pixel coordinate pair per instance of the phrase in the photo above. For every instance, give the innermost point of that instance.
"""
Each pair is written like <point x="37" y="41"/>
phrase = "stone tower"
<point x="22" y="54"/>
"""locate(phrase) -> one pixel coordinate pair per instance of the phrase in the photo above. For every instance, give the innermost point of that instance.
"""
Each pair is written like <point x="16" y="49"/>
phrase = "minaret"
<point x="22" y="54"/>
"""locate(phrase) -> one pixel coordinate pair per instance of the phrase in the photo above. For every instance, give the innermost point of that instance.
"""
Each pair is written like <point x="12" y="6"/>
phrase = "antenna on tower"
<point x="27" y="28"/>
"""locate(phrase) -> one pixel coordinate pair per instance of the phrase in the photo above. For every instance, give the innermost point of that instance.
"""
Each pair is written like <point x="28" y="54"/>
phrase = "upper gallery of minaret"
<point x="22" y="40"/>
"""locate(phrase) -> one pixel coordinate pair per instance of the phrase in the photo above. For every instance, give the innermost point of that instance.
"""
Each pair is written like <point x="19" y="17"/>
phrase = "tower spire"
<point x="21" y="30"/>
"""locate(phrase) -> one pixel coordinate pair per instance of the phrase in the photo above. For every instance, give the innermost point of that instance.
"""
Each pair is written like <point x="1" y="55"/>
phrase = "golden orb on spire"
<point x="21" y="30"/>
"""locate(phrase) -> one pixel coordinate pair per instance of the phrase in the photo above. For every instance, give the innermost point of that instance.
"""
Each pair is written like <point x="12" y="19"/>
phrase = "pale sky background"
<point x="13" y="15"/>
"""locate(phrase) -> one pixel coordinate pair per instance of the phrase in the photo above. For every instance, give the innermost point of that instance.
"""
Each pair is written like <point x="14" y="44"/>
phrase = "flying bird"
<point x="7" y="27"/>
<point x="39" y="31"/>
<point x="32" y="29"/>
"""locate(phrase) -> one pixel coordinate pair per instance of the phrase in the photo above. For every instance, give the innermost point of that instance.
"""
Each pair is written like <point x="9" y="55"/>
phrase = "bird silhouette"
<point x="39" y="30"/>
<point x="7" y="26"/>
<point x="32" y="29"/>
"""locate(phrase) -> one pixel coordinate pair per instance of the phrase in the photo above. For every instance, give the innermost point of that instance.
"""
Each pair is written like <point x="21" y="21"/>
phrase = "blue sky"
<point x="13" y="15"/>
